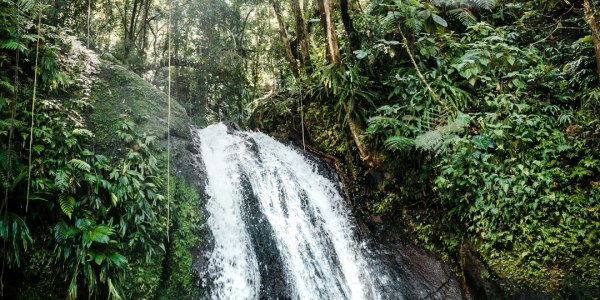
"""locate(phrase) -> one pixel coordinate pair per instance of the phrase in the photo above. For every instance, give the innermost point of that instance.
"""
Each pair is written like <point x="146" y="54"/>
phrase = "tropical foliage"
<point x="484" y="118"/>
<point x="74" y="222"/>
<point x="464" y="124"/>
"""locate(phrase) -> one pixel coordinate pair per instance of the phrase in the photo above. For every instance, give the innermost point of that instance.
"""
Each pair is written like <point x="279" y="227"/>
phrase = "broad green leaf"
<point x="360" y="54"/>
<point x="511" y="60"/>
<point x="101" y="234"/>
<point x="118" y="259"/>
<point x="436" y="18"/>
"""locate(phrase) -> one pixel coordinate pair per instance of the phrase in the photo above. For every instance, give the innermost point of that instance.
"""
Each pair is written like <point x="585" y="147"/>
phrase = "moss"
<point x="179" y="277"/>
<point x="120" y="93"/>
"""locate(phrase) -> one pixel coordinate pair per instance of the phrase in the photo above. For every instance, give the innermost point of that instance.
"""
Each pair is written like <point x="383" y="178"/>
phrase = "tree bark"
<point x="143" y="41"/>
<point x="590" y="17"/>
<point x="301" y="32"/>
<point x="289" y="54"/>
<point x="349" y="26"/>
<point x="329" y="30"/>
<point x="323" y="26"/>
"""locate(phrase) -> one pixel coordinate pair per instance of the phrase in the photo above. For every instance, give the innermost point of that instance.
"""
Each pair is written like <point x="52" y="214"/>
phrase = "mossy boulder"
<point x="119" y="94"/>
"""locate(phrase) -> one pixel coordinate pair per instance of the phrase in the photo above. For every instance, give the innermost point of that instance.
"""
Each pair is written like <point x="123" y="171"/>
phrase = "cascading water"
<point x="279" y="228"/>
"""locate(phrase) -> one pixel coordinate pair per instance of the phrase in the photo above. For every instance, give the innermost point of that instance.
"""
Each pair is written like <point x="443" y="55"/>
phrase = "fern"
<point x="67" y="204"/>
<point x="63" y="232"/>
<point x="467" y="4"/>
<point x="61" y="181"/>
<point x="14" y="46"/>
<point x="462" y="10"/>
<point x="437" y="140"/>
<point x="399" y="143"/>
<point x="26" y="5"/>
<point x="6" y="85"/>
<point x="591" y="99"/>
<point x="80" y="165"/>
<point x="464" y="16"/>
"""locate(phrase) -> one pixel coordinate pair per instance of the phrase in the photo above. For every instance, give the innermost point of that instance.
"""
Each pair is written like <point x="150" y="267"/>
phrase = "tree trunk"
<point x="329" y="30"/>
<point x="302" y="33"/>
<point x="289" y="54"/>
<point x="132" y="25"/>
<point x="590" y="17"/>
<point x="349" y="26"/>
<point x="323" y="26"/>
<point x="356" y="131"/>
<point x="143" y="41"/>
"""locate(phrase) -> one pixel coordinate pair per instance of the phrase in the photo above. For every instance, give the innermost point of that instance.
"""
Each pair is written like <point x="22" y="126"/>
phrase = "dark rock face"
<point x="422" y="275"/>
<point x="183" y="162"/>
<point x="273" y="282"/>
<point x="475" y="272"/>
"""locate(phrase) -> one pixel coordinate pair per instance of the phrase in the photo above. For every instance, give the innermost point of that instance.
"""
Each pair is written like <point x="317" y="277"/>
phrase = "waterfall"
<point x="279" y="227"/>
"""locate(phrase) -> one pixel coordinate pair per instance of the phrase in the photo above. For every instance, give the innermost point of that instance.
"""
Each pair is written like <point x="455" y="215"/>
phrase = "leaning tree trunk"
<point x="289" y="54"/>
<point x="334" y="53"/>
<point x="590" y="17"/>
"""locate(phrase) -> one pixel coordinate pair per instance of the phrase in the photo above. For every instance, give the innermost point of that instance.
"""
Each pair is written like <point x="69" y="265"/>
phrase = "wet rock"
<point x="231" y="126"/>
<point x="478" y="278"/>
<point x="423" y="275"/>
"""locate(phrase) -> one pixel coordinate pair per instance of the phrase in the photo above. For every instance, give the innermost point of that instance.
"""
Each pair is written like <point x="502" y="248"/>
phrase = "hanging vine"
<point x="35" y="83"/>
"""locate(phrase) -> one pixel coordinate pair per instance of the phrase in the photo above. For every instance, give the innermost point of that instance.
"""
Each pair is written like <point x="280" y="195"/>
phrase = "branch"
<point x="174" y="63"/>
<point x="412" y="59"/>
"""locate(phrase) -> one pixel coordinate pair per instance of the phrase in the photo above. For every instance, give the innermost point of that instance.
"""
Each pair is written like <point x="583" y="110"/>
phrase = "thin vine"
<point x="169" y="123"/>
<point x="35" y="73"/>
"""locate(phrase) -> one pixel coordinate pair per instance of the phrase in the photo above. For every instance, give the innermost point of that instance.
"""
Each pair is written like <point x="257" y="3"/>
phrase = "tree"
<point x="302" y="34"/>
<point x="590" y="18"/>
<point x="326" y="7"/>
<point x="349" y="25"/>
<point x="289" y="54"/>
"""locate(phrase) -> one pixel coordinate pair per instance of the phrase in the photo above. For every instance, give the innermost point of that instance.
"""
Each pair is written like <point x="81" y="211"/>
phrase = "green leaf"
<point x="482" y="142"/>
<point x="99" y="258"/>
<point x="511" y="60"/>
<point x="82" y="132"/>
<point x="360" y="54"/>
<point x="113" y="291"/>
<point x="118" y="259"/>
<point x="114" y="199"/>
<point x="399" y="143"/>
<point x="67" y="204"/>
<point x="436" y="18"/>
<point x="101" y="234"/>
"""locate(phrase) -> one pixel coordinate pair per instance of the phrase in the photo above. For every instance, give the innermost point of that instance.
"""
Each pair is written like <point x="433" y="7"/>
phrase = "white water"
<point x="311" y="225"/>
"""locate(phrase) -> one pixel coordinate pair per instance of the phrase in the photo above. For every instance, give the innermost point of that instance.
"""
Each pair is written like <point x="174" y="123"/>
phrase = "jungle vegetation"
<point x="468" y="125"/>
